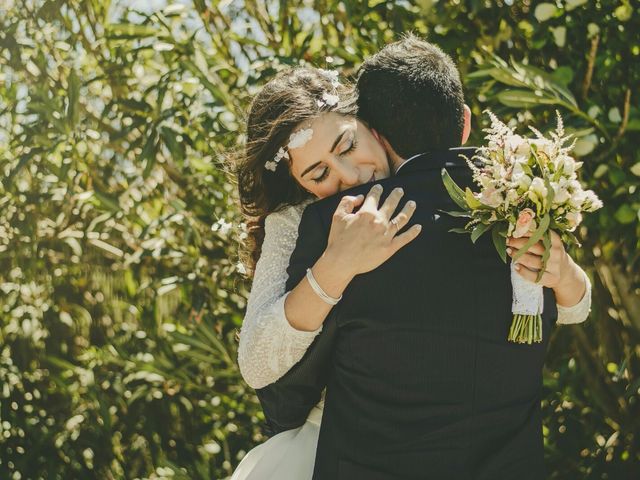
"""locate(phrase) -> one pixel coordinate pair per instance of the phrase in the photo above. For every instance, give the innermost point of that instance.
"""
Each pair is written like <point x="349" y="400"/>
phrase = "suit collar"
<point x="428" y="161"/>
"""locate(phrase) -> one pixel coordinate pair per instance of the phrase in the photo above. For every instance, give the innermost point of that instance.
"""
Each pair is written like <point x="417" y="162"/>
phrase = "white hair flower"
<point x="329" y="99"/>
<point x="300" y="138"/>
<point x="331" y="75"/>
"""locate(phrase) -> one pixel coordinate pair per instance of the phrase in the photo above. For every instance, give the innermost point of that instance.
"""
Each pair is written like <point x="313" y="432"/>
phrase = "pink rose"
<point x="525" y="223"/>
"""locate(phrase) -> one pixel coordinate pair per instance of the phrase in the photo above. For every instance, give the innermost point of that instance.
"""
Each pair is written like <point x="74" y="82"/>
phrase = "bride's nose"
<point x="348" y="175"/>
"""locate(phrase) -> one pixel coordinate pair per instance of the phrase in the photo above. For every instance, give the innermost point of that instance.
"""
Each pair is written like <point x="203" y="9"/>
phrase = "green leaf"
<point x="129" y="30"/>
<point x="454" y="191"/>
<point x="500" y="241"/>
<point x="525" y="98"/>
<point x="626" y="214"/>
<point x="479" y="230"/>
<point x="175" y="147"/>
<point x="472" y="201"/>
<point x="74" y="95"/>
<point x="457" y="214"/>
<point x="148" y="154"/>
<point x="546" y="241"/>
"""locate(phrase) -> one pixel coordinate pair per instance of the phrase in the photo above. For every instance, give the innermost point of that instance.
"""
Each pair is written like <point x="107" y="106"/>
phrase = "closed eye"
<point x="323" y="176"/>
<point x="325" y="172"/>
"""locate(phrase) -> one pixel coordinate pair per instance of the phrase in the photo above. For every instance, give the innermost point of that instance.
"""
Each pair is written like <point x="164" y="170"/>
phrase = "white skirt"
<point x="290" y="455"/>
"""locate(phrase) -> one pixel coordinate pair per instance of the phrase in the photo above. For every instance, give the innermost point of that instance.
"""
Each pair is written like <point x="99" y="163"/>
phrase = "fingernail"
<point x="399" y="190"/>
<point x="509" y="251"/>
<point x="517" y="267"/>
<point x="411" y="204"/>
<point x="418" y="227"/>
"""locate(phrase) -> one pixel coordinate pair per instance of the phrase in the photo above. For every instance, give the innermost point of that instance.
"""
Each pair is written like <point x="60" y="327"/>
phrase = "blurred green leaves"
<point x="119" y="224"/>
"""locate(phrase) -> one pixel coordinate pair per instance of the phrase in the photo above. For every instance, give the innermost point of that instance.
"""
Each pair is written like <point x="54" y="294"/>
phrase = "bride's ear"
<point x="466" y="129"/>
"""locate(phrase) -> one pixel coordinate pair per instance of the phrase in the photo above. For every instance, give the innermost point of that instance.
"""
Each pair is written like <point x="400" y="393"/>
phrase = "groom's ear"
<point x="466" y="130"/>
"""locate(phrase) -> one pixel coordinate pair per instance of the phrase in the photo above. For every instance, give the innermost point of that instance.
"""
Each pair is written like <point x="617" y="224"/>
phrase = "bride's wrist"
<point x="571" y="286"/>
<point x="332" y="273"/>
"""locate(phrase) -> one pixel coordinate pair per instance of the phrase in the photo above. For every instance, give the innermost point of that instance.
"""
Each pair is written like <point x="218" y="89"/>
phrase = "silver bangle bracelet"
<point x="319" y="291"/>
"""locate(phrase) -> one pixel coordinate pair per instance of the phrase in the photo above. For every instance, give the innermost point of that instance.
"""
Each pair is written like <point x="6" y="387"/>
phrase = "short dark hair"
<point x="410" y="92"/>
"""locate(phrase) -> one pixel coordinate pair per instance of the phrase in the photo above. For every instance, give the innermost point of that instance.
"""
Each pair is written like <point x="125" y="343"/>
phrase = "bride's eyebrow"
<point x="333" y="147"/>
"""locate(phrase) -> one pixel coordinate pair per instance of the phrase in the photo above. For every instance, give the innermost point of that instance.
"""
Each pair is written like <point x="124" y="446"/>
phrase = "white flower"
<point x="300" y="138"/>
<point x="491" y="197"/>
<point x="569" y="165"/>
<point x="271" y="165"/>
<point x="240" y="268"/>
<point x="511" y="197"/>
<point x="331" y="75"/>
<point x="516" y="145"/>
<point x="524" y="182"/>
<point x="578" y="197"/>
<point x="544" y="146"/>
<point x="538" y="189"/>
<point x="592" y="201"/>
<point x="560" y="192"/>
<point x="282" y="153"/>
<point x="330" y="99"/>
<point x="573" y="220"/>
<point x="222" y="226"/>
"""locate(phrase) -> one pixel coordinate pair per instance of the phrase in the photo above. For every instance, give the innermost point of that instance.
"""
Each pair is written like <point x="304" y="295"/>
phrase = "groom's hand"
<point x="561" y="274"/>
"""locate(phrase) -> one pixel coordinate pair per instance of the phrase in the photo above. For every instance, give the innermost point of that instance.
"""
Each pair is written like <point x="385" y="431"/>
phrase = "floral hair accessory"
<point x="296" y="140"/>
<point x="331" y="75"/>
<point x="328" y="99"/>
<point x="301" y="137"/>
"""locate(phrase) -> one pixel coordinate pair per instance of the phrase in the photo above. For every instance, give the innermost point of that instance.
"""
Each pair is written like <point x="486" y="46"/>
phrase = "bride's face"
<point x="341" y="153"/>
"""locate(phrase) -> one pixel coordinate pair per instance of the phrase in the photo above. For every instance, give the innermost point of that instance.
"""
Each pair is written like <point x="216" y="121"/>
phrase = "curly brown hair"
<point x="292" y="97"/>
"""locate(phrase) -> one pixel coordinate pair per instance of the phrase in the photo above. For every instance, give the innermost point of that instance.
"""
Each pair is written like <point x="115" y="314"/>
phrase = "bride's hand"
<point x="362" y="241"/>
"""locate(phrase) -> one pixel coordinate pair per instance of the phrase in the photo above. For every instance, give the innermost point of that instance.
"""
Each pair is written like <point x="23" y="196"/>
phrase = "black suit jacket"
<point x="421" y="381"/>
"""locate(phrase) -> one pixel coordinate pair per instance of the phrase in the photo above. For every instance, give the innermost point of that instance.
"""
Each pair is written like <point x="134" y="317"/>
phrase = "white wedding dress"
<point x="270" y="346"/>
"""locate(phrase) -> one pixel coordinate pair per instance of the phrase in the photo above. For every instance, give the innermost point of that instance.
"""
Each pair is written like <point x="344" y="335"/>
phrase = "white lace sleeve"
<point x="269" y="345"/>
<point x="580" y="311"/>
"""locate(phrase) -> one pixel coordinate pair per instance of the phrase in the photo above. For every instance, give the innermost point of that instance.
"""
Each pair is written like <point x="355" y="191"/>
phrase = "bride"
<point x="304" y="142"/>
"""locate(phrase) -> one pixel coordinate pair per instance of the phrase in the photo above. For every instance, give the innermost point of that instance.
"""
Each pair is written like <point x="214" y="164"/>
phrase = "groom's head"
<point x="410" y="93"/>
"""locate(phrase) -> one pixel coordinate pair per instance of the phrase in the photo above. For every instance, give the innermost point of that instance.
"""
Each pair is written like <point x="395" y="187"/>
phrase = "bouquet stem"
<point x="526" y="329"/>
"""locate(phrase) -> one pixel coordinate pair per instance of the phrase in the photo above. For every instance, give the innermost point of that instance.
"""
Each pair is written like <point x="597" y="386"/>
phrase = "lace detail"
<point x="580" y="311"/>
<point x="528" y="297"/>
<point x="269" y="345"/>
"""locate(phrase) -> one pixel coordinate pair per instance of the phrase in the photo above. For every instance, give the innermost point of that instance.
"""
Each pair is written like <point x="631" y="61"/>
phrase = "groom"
<point x="421" y="382"/>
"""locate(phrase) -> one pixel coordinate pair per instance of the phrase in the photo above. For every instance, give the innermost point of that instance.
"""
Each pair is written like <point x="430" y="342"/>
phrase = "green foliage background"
<point x="120" y="290"/>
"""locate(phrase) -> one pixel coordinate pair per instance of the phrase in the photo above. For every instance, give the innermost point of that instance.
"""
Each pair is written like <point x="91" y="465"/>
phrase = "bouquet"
<point x="528" y="186"/>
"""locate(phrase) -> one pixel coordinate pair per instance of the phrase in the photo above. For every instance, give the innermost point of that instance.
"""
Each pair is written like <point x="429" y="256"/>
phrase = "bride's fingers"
<point x="403" y="239"/>
<point x="528" y="259"/>
<point x="391" y="203"/>
<point x="348" y="204"/>
<point x="405" y="214"/>
<point x="532" y="276"/>
<point x="372" y="200"/>
<point x="518" y="243"/>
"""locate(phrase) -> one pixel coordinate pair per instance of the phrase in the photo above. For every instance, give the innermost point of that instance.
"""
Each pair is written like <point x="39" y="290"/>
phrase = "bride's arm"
<point x="269" y="345"/>
<point x="279" y="327"/>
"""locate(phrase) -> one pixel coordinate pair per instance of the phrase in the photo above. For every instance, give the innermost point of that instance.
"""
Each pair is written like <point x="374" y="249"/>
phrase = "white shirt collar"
<point x="407" y="161"/>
